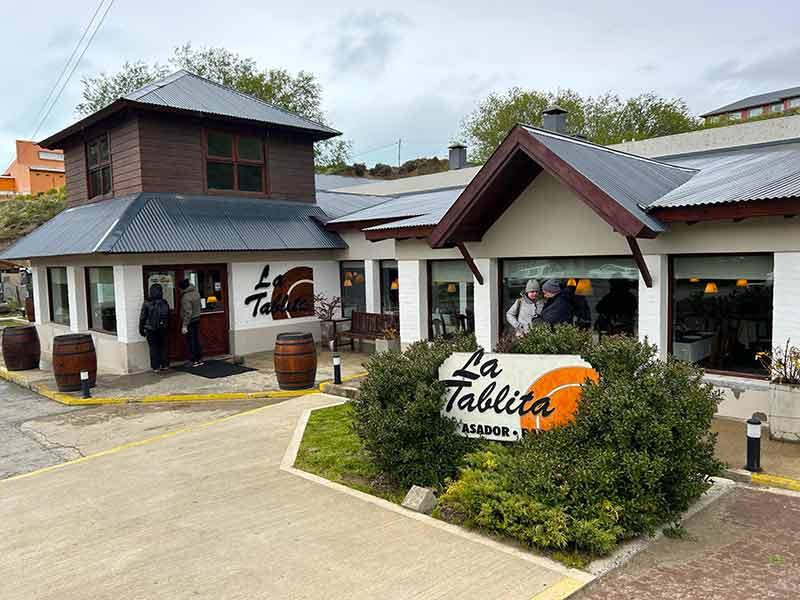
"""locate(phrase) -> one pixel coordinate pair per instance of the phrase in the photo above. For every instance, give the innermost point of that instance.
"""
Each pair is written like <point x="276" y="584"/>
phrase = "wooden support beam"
<point x="470" y="263"/>
<point x="637" y="256"/>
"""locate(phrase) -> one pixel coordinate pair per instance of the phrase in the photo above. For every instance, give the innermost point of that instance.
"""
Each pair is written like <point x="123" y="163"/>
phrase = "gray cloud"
<point x="772" y="68"/>
<point x="366" y="41"/>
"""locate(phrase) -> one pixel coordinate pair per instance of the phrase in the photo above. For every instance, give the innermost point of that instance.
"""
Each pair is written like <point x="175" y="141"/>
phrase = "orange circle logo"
<point x="556" y="395"/>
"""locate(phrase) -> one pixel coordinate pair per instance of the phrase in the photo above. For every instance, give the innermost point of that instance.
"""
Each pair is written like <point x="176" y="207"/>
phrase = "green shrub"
<point x="560" y="339"/>
<point x="23" y="214"/>
<point x="637" y="454"/>
<point x="397" y="413"/>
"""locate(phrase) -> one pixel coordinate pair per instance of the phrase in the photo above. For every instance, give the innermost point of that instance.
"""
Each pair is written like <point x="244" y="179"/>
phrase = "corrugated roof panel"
<point x="411" y="205"/>
<point x="337" y="204"/>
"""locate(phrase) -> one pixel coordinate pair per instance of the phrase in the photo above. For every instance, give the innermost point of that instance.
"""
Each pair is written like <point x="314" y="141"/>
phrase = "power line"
<point x="66" y="64"/>
<point x="74" y="66"/>
<point x="374" y="150"/>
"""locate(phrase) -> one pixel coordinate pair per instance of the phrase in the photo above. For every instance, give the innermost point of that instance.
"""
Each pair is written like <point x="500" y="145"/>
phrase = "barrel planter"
<point x="72" y="354"/>
<point x="21" y="349"/>
<point x="295" y="361"/>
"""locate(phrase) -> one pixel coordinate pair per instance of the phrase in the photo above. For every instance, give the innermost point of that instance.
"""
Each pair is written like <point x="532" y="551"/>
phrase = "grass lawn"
<point x="12" y="321"/>
<point x="331" y="450"/>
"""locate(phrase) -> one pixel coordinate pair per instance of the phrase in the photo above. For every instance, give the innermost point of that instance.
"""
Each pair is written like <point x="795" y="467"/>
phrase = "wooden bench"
<point x="366" y="326"/>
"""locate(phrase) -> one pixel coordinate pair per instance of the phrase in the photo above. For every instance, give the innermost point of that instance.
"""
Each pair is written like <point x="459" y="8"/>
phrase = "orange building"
<point x="35" y="169"/>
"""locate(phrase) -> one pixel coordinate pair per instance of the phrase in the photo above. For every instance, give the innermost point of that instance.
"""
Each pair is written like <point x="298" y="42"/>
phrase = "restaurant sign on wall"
<point x="286" y="296"/>
<point x="502" y="396"/>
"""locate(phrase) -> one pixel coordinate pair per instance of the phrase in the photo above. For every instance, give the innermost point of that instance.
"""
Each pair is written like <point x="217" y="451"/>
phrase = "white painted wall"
<point x="487" y="304"/>
<point x="76" y="294"/>
<point x="128" y="296"/>
<point x="653" y="302"/>
<point x="372" y="285"/>
<point x="413" y="282"/>
<point x="41" y="302"/>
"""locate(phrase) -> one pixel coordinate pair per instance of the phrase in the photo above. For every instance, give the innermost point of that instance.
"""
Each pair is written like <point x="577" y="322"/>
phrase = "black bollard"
<point x="337" y="368"/>
<point x="87" y="392"/>
<point x="753" y="444"/>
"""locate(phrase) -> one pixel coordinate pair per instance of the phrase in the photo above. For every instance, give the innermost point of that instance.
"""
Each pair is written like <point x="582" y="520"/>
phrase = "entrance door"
<point x="211" y="282"/>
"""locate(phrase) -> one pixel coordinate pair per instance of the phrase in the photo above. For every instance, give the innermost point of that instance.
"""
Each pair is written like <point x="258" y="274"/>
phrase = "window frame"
<point x="793" y="103"/>
<point x="776" y="107"/>
<point x="671" y="307"/>
<point x="751" y="114"/>
<point x="382" y="286"/>
<point x="87" y="283"/>
<point x="100" y="166"/>
<point x="342" y="271"/>
<point x="234" y="160"/>
<point x="430" y="290"/>
<point x="50" y="296"/>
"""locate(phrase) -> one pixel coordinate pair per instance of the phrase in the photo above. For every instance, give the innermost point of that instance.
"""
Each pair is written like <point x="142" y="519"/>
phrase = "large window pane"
<point x="722" y="311"/>
<point x="604" y="290"/>
<point x="209" y="285"/>
<point x="249" y="148"/>
<point x="59" y="297"/>
<point x="250" y="179"/>
<point x="220" y="176"/>
<point x="452" y="297"/>
<point x="102" y="307"/>
<point x="354" y="296"/>
<point x="390" y="288"/>
<point x="220" y="144"/>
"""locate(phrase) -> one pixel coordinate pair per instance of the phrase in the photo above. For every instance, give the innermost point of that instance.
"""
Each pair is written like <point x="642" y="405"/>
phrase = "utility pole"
<point x="399" y="143"/>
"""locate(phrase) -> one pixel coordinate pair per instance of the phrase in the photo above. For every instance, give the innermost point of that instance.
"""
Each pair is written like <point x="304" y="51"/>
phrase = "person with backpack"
<point x="526" y="308"/>
<point x="154" y="325"/>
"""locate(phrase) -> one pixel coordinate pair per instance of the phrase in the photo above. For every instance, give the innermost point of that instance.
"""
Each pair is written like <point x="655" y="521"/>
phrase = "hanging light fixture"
<point x="451" y="288"/>
<point x="359" y="278"/>
<point x="572" y="282"/>
<point x="711" y="288"/>
<point x="694" y="279"/>
<point x="395" y="285"/>
<point x="584" y="288"/>
<point x="741" y="283"/>
<point x="347" y="283"/>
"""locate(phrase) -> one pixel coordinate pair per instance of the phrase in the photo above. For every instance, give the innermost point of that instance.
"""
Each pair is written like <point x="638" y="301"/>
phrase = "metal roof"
<point x="338" y="204"/>
<point x="427" y="208"/>
<point x="149" y="222"/>
<point x="738" y="175"/>
<point x="327" y="182"/>
<point x="757" y="100"/>
<point x="632" y="181"/>
<point x="457" y="178"/>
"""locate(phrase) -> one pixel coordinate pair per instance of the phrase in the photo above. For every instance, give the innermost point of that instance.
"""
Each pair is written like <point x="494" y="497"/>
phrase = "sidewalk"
<point x="179" y="386"/>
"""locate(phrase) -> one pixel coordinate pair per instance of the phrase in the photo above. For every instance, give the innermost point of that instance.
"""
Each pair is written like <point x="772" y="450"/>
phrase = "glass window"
<point x="59" y="297"/>
<point x="777" y="107"/>
<point x="249" y="178"/>
<point x="722" y="310"/>
<point x="452" y="297"/>
<point x="102" y="307"/>
<point x="390" y="288"/>
<point x="755" y="112"/>
<point x="166" y="279"/>
<point x="220" y="176"/>
<point x="794" y="103"/>
<point x="46" y="155"/>
<point x="220" y="144"/>
<point x="354" y="290"/>
<point x="209" y="285"/>
<point x="98" y="159"/>
<point x="604" y="290"/>
<point x="249" y="148"/>
<point x="735" y="116"/>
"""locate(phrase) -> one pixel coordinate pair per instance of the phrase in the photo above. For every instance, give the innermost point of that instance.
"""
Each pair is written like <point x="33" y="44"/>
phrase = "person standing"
<point x="154" y="325"/>
<point x="526" y="308"/>
<point x="558" y="306"/>
<point x="190" y="320"/>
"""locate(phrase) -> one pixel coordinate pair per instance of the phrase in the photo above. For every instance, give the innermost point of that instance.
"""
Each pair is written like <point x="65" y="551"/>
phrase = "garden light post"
<point x="753" y="444"/>
<point x="87" y="393"/>
<point x="337" y="368"/>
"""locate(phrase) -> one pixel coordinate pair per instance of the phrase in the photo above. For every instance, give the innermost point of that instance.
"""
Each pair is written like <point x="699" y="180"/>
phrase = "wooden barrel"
<point x="295" y="361"/>
<point x="72" y="354"/>
<point x="21" y="348"/>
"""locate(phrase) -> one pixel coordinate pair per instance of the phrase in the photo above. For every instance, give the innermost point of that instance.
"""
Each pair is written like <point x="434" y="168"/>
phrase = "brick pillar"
<point x="654" y="302"/>
<point x="76" y="292"/>
<point x="372" y="285"/>
<point x="785" y="292"/>
<point x="487" y="304"/>
<point x="413" y="281"/>
<point x="128" y="297"/>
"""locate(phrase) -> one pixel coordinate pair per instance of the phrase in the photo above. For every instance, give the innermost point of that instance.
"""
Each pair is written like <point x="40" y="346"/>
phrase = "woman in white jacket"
<point x="526" y="308"/>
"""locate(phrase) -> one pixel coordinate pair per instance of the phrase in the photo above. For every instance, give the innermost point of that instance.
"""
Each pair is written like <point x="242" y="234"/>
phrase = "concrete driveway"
<point x="208" y="513"/>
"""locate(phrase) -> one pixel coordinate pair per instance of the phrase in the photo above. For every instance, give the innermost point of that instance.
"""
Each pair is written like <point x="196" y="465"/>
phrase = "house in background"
<point x="35" y="169"/>
<point x="8" y="186"/>
<point x="777" y="102"/>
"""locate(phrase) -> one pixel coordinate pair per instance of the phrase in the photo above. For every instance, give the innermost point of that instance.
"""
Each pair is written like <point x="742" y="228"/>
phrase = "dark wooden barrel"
<point x="72" y="354"/>
<point x="21" y="349"/>
<point x="295" y="361"/>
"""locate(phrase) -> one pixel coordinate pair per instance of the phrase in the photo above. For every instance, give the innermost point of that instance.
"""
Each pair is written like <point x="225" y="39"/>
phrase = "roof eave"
<point x="399" y="233"/>
<point x="745" y="209"/>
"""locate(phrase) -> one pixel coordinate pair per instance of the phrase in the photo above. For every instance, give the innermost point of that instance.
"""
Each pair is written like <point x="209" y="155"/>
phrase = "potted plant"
<point x="325" y="310"/>
<point x="390" y="342"/>
<point x="783" y="365"/>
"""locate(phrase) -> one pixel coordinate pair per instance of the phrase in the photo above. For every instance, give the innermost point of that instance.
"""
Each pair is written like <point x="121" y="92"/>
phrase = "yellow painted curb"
<point x="135" y="444"/>
<point x="43" y="390"/>
<point x="563" y="588"/>
<point x="776" y="481"/>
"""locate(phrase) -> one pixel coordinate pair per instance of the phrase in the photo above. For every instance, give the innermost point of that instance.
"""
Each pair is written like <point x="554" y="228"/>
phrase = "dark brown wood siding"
<point x="172" y="154"/>
<point x="75" y="171"/>
<point x="290" y="167"/>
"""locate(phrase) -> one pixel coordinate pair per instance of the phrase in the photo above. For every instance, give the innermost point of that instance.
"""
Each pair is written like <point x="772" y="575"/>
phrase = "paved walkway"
<point x="209" y="514"/>
<point x="744" y="547"/>
<point x="777" y="458"/>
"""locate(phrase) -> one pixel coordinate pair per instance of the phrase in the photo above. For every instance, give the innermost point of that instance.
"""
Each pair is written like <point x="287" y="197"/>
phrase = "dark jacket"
<point x="155" y="311"/>
<point x="190" y="305"/>
<point x="558" y="309"/>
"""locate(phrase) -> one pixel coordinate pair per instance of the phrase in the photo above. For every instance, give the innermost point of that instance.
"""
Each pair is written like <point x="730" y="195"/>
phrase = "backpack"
<point x="160" y="314"/>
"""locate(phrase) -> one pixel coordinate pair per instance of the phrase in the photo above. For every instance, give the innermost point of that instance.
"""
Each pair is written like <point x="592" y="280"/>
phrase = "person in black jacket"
<point x="154" y="325"/>
<point x="558" y="305"/>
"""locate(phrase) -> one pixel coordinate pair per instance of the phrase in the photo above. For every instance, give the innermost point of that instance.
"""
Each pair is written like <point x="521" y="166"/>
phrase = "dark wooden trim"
<point x="399" y="233"/>
<point x="640" y="262"/>
<point x="786" y="207"/>
<point x="470" y="263"/>
<point x="501" y="314"/>
<point x="737" y="374"/>
<point x="429" y="268"/>
<point x="350" y="225"/>
<point x="670" y="302"/>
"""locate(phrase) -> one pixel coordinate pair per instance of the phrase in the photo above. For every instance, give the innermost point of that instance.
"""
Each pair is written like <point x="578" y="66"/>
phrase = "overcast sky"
<point x="413" y="69"/>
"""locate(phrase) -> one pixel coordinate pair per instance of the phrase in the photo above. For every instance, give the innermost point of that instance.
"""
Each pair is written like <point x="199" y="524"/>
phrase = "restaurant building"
<point x="688" y="241"/>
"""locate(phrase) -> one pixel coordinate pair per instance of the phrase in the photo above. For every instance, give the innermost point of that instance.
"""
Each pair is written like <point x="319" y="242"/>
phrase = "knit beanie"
<point x="552" y="286"/>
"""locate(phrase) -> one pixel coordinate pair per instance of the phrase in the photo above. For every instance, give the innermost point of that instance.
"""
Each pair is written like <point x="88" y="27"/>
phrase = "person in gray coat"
<point x="526" y="309"/>
<point x="190" y="320"/>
